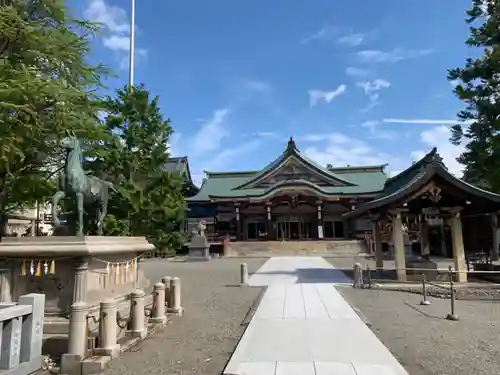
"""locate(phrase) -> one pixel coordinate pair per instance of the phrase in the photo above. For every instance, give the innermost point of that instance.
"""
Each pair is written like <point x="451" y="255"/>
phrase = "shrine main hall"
<point x="294" y="198"/>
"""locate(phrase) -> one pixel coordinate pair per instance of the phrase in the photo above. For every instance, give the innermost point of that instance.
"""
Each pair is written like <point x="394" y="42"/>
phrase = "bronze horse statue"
<point x="86" y="189"/>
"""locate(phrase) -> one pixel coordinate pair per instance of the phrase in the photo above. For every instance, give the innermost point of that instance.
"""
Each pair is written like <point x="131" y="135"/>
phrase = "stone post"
<point x="377" y="240"/>
<point x="5" y="285"/>
<point x="458" y="247"/>
<point x="358" y="276"/>
<point x="243" y="274"/>
<point x="80" y="280"/>
<point x="158" y="313"/>
<point x="399" y="245"/>
<point x="495" y="237"/>
<point x="137" y="326"/>
<point x="107" y="329"/>
<point x="32" y="327"/>
<point x="77" y="339"/>
<point x="175" y="296"/>
<point x="166" y="280"/>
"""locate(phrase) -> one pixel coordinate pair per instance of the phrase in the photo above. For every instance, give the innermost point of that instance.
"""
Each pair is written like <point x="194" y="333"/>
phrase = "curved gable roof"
<point x="415" y="177"/>
<point x="291" y="151"/>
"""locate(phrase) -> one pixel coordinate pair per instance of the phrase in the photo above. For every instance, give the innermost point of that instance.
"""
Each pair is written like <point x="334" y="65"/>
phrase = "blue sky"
<point x="356" y="82"/>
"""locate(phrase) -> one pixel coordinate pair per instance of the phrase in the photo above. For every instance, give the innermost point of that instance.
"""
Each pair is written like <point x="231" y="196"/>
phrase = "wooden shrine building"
<point x="293" y="198"/>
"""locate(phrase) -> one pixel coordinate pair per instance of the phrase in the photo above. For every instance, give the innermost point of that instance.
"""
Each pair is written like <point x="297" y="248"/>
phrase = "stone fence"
<point x="95" y="337"/>
<point x="22" y="335"/>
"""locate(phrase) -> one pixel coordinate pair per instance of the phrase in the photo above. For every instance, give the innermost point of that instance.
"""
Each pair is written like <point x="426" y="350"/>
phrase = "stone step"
<point x="279" y="248"/>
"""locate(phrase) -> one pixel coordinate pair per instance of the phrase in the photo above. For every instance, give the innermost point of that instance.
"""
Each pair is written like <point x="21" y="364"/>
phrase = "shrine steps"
<point x="336" y="248"/>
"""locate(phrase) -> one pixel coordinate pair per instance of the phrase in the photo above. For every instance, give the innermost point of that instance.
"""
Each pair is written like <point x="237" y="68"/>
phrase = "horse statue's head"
<point x="70" y="142"/>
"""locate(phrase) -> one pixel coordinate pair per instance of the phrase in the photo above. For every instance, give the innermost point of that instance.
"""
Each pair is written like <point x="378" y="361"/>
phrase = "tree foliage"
<point x="149" y="201"/>
<point x="46" y="87"/>
<point x="479" y="88"/>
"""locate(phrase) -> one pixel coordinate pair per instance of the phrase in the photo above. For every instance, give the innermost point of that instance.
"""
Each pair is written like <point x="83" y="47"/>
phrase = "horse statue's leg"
<point x="56" y="198"/>
<point x="79" y="224"/>
<point x="103" y="210"/>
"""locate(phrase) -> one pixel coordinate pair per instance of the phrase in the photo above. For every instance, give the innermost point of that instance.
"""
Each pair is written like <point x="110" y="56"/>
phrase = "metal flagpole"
<point x="132" y="45"/>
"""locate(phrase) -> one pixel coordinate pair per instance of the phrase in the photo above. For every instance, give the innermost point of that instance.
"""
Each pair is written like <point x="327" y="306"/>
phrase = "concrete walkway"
<point x="303" y="326"/>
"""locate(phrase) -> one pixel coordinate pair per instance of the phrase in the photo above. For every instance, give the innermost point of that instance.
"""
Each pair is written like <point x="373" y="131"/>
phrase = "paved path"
<point x="303" y="326"/>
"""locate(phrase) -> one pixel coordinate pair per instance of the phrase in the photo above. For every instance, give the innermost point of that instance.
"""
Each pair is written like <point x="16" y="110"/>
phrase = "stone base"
<point x="199" y="253"/>
<point x="95" y="365"/>
<point x="71" y="364"/>
<point x="179" y="311"/>
<point x="112" y="352"/>
<point x="139" y="334"/>
<point x="161" y="321"/>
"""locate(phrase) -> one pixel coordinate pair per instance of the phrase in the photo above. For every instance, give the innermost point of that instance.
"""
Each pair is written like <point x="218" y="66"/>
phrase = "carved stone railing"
<point x="22" y="329"/>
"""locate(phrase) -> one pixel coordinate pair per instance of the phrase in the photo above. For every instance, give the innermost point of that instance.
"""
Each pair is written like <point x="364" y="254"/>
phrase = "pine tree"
<point x="46" y="88"/>
<point x="150" y="200"/>
<point x="479" y="88"/>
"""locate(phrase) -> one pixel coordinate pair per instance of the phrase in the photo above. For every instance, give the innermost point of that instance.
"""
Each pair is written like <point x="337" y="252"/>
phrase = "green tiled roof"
<point x="356" y="180"/>
<point x="413" y="178"/>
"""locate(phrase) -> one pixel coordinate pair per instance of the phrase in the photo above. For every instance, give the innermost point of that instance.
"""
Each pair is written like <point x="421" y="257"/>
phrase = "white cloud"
<point x="116" y="27"/>
<point x="393" y="56"/>
<point x="327" y="32"/>
<point x="356" y="72"/>
<point x="440" y="137"/>
<point x="375" y="132"/>
<point x="419" y="121"/>
<point x="341" y="150"/>
<point x="256" y="86"/>
<point x="315" y="96"/>
<point x="210" y="134"/>
<point x="371" y="89"/>
<point x="353" y="39"/>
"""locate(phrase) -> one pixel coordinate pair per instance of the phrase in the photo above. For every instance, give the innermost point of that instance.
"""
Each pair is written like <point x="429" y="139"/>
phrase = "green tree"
<point x="150" y="200"/>
<point x="478" y="86"/>
<point x="46" y="88"/>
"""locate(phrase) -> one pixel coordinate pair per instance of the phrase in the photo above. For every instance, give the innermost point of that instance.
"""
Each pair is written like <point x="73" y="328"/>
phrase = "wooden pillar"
<point x="494" y="237"/>
<point x="425" y="249"/>
<point x="319" y="220"/>
<point x="399" y="245"/>
<point x="377" y="241"/>
<point x="238" y="224"/>
<point x="269" y="222"/>
<point x="458" y="247"/>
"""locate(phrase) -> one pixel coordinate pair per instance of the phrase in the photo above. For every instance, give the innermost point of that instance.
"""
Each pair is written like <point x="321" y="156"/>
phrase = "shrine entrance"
<point x="292" y="228"/>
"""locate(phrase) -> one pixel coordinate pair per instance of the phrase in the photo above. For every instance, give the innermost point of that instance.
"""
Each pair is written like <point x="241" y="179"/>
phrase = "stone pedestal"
<point x="68" y="270"/>
<point x="199" y="248"/>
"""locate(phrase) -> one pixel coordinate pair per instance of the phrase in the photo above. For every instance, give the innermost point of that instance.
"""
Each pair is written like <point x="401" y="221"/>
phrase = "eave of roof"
<point x="425" y="175"/>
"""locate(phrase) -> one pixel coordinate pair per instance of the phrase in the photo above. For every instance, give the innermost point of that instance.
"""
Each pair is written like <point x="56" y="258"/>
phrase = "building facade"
<point x="292" y="198"/>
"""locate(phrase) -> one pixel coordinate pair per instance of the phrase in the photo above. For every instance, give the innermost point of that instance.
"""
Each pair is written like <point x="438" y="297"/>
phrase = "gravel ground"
<point x="425" y="342"/>
<point x="215" y="317"/>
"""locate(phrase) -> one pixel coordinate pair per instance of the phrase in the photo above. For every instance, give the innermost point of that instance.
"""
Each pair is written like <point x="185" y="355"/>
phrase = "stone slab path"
<point x="303" y="326"/>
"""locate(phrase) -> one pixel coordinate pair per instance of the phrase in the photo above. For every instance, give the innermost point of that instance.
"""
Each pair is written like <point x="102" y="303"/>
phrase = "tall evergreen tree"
<point x="150" y="200"/>
<point x="479" y="88"/>
<point x="46" y="87"/>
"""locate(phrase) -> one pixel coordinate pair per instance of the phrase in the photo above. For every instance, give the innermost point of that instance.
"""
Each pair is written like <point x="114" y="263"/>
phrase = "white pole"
<point x="132" y="45"/>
